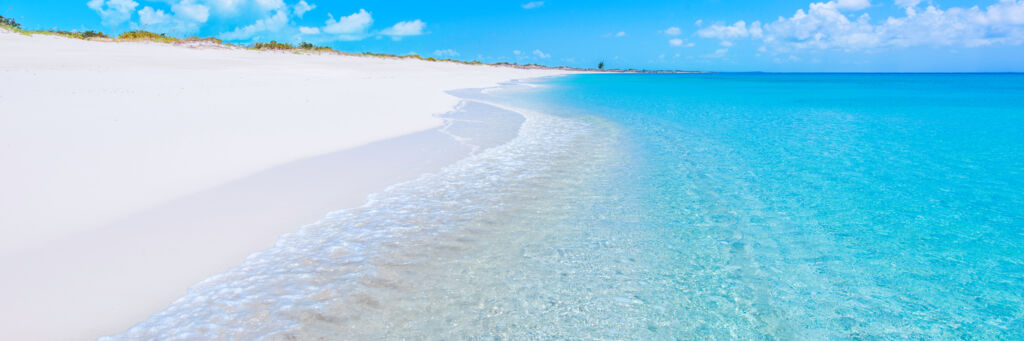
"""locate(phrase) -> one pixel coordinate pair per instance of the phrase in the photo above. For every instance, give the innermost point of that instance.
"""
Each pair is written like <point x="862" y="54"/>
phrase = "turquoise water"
<point x="696" y="206"/>
<point x="821" y="205"/>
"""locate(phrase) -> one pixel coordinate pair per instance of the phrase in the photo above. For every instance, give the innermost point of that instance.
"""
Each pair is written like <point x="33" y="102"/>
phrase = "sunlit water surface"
<point x="706" y="206"/>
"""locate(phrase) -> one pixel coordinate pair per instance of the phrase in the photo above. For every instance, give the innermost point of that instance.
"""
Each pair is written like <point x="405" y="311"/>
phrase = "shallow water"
<point x="721" y="206"/>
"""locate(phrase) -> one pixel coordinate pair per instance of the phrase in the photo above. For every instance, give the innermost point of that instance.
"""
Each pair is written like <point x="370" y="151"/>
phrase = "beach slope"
<point x="132" y="170"/>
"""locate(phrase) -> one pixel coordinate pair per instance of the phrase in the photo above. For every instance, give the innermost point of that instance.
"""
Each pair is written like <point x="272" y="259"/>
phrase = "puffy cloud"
<point x="269" y="24"/>
<point x="533" y="4"/>
<point x="113" y="12"/>
<point x="540" y="54"/>
<point x="190" y="11"/>
<point x="620" y="34"/>
<point x="446" y="53"/>
<point x="226" y="6"/>
<point x="824" y="25"/>
<point x="269" y="5"/>
<point x="853" y="5"/>
<point x="150" y="17"/>
<point x="1006" y="12"/>
<point x="679" y="42"/>
<point x="730" y="32"/>
<point x="353" y="25"/>
<point x="719" y="53"/>
<point x="405" y="29"/>
<point x="251" y="19"/>
<point x="673" y="31"/>
<point x="907" y="3"/>
<point x="185" y="17"/>
<point x="302" y="7"/>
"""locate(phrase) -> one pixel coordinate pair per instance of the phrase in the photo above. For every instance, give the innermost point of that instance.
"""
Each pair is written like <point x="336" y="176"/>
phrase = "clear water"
<point x="702" y="206"/>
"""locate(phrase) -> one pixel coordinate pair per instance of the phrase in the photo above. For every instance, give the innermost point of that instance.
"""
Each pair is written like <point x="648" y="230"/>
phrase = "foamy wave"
<point x="278" y="290"/>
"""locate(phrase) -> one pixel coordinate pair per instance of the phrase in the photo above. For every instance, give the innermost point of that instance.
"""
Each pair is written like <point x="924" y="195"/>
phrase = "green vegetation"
<point x="146" y="35"/>
<point x="203" y="40"/>
<point x="140" y="35"/>
<point x="12" y="25"/>
<point x="378" y="55"/>
<point x="272" y="45"/>
<point x="310" y="47"/>
<point x="79" y="35"/>
<point x="9" y="23"/>
<point x="600" y="66"/>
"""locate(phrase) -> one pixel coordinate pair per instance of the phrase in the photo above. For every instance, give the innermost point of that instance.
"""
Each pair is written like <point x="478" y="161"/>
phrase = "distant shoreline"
<point x="141" y="35"/>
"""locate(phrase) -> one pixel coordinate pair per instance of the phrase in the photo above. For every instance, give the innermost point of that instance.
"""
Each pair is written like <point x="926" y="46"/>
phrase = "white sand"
<point x="129" y="171"/>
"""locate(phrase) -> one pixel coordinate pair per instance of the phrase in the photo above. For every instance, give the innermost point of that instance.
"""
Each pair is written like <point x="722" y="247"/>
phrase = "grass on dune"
<point x="146" y="36"/>
<point x="141" y="35"/>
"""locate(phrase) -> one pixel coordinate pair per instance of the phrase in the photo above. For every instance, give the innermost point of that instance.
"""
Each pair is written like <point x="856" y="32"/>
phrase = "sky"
<point x="705" y="35"/>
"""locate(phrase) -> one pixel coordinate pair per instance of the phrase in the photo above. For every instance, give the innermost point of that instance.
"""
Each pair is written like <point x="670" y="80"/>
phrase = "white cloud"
<point x="113" y="12"/>
<point x="824" y="25"/>
<point x="1006" y="12"/>
<point x="907" y="3"/>
<point x="730" y="32"/>
<point x="673" y="31"/>
<point x="679" y="42"/>
<point x="302" y="7"/>
<point x="188" y="10"/>
<point x="269" y="24"/>
<point x="351" y="27"/>
<point x="446" y="53"/>
<point x="405" y="29"/>
<point x="620" y="34"/>
<point x="266" y="19"/>
<point x="533" y="4"/>
<point x="185" y="17"/>
<point x="517" y="52"/>
<point x="540" y="54"/>
<point x="719" y="53"/>
<point x="269" y="5"/>
<point x="227" y="7"/>
<point x="150" y="17"/>
<point x="853" y="5"/>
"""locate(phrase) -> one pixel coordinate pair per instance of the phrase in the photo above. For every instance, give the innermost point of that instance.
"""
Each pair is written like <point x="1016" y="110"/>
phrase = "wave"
<point x="300" y="281"/>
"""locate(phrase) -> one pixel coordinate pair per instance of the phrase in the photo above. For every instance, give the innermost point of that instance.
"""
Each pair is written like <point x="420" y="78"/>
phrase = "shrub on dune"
<point x="203" y="40"/>
<point x="139" y="35"/>
<point x="79" y="35"/>
<point x="272" y="45"/>
<point x="146" y="35"/>
<point x="10" y="24"/>
<point x="310" y="47"/>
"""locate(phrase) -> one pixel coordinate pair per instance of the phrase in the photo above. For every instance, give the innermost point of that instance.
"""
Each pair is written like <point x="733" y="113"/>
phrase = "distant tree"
<point x="600" y="65"/>
<point x="9" y="22"/>
<point x="93" y="34"/>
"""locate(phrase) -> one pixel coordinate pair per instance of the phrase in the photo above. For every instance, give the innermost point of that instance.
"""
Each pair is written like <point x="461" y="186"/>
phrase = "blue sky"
<point x="711" y="35"/>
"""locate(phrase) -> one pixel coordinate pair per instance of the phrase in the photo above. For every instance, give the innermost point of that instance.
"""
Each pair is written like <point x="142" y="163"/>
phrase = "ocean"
<point x="672" y="206"/>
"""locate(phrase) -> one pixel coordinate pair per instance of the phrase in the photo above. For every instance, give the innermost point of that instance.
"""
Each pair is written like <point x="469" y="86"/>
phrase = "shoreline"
<point x="345" y="258"/>
<point x="303" y="48"/>
<point x="135" y="256"/>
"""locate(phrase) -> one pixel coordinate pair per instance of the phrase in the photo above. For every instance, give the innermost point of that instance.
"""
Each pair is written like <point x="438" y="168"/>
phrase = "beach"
<point x="196" y="191"/>
<point x="133" y="170"/>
